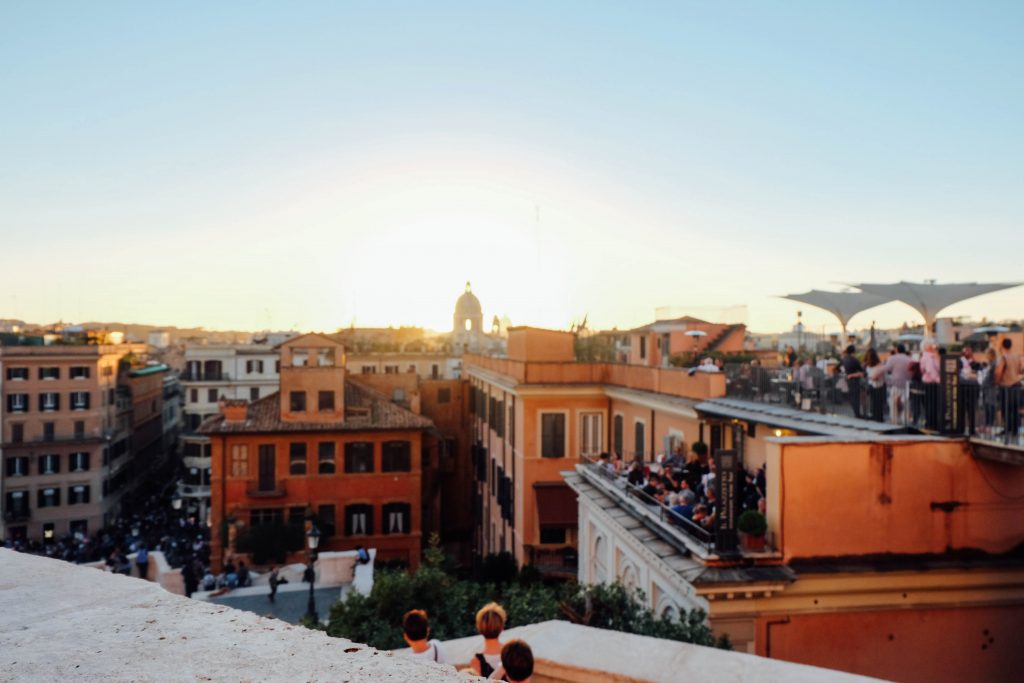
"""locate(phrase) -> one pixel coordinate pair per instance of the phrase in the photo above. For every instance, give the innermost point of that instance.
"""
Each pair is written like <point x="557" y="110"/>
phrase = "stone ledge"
<point x="59" y="621"/>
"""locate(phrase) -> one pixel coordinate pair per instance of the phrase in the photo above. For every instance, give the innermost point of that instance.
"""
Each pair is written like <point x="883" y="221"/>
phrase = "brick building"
<point x="325" y="446"/>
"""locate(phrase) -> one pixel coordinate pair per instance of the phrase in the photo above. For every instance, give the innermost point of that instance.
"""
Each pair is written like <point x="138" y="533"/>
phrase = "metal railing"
<point x="695" y="532"/>
<point x="992" y="412"/>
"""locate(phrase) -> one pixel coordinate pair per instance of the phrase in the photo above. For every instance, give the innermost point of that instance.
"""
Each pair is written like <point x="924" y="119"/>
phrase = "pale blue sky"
<point x="278" y="164"/>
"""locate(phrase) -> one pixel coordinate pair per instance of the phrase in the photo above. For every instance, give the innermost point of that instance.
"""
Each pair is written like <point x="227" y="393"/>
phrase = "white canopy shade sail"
<point x="929" y="299"/>
<point x="843" y="305"/>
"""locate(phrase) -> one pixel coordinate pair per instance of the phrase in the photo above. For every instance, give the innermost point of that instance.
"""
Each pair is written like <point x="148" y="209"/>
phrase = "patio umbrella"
<point x="843" y="305"/>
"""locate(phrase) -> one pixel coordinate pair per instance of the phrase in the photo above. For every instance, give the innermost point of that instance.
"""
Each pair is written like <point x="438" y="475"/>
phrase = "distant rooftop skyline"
<point x="254" y="166"/>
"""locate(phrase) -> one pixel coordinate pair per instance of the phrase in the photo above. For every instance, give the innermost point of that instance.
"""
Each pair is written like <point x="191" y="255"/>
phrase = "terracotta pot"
<point x="754" y="544"/>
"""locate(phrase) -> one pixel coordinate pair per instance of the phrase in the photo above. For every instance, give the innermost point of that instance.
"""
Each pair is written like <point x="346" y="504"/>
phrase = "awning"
<point x="556" y="505"/>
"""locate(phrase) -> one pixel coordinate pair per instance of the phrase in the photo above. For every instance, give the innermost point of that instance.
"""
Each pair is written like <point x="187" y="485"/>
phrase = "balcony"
<point x="951" y="408"/>
<point x="65" y="438"/>
<point x="17" y="516"/>
<point x="187" y="376"/>
<point x="560" y="561"/>
<point x="275" y="490"/>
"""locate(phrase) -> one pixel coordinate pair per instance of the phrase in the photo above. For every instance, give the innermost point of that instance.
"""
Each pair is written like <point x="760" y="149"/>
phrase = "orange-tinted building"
<point x="322" y="445"/>
<point x="536" y="412"/>
<point x="655" y="343"/>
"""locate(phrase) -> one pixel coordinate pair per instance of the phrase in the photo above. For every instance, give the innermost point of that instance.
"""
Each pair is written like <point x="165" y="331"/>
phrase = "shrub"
<point x="752" y="522"/>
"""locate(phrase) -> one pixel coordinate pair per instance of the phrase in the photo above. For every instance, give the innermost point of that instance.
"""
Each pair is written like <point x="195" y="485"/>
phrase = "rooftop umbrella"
<point x="929" y="299"/>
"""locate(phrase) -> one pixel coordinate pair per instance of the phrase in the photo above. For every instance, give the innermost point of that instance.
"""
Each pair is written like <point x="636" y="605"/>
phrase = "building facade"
<point x="67" y="429"/>
<point x="323" y="447"/>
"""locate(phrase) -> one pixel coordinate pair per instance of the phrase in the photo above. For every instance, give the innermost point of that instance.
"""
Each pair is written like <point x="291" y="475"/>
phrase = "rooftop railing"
<point x="988" y="412"/>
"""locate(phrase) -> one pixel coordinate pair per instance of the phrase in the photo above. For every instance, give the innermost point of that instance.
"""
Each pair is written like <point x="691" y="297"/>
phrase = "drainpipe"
<point x="768" y="633"/>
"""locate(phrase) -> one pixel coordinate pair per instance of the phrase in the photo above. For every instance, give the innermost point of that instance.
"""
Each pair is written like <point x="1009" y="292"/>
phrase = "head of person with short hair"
<point x="517" y="660"/>
<point x="416" y="631"/>
<point x="490" y="620"/>
<point x="1007" y="343"/>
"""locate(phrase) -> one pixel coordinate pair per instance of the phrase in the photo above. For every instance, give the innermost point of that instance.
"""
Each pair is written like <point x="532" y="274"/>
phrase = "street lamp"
<point x="176" y="502"/>
<point x="312" y="541"/>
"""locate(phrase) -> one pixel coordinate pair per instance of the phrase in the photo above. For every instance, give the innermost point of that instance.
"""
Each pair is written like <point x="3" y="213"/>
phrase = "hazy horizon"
<point x="260" y="166"/>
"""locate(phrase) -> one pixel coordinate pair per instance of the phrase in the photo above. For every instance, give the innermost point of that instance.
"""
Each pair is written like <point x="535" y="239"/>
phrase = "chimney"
<point x="234" y="410"/>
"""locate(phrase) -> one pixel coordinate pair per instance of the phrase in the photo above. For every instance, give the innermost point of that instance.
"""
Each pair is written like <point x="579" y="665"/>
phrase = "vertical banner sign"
<point x="726" y="466"/>
<point x="951" y="422"/>
<point x="738" y="441"/>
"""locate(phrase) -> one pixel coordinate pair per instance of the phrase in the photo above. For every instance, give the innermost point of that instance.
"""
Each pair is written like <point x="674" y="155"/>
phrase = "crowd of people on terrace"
<point x="510" y="661"/>
<point x="685" y="484"/>
<point x="899" y="386"/>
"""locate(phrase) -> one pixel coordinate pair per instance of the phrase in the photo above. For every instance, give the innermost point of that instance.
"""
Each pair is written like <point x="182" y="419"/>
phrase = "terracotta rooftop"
<point x="373" y="412"/>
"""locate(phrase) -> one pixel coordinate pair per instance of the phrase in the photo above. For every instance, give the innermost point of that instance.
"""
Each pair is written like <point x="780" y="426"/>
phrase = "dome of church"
<point x="468" y="305"/>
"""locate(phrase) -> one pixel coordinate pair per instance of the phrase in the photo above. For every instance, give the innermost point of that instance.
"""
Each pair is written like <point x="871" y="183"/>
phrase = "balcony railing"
<point x="187" y="376"/>
<point x="677" y="530"/>
<point x="279" y="490"/>
<point x="954" y="407"/>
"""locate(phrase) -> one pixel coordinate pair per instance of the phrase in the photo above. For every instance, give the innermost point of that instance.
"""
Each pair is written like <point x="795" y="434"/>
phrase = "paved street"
<point x="289" y="606"/>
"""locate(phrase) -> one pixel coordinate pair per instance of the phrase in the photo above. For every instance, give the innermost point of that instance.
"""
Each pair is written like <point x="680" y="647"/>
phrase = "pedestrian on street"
<point x="274" y="580"/>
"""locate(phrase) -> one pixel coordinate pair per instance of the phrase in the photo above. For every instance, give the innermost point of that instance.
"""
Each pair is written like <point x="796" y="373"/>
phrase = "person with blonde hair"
<point x="490" y="622"/>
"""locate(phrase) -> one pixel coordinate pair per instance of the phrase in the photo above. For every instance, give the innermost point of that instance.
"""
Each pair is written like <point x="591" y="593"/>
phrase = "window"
<point x="435" y="371"/>
<point x="266" y="516"/>
<point x="49" y="373"/>
<point x="297" y="401"/>
<point x="268" y="467"/>
<point x="79" y="528"/>
<point x="254" y="393"/>
<point x="49" y="464"/>
<point x="48" y="431"/>
<point x="17" y="467"/>
<point x="358" y="520"/>
<point x="390" y="369"/>
<point x="552" y="435"/>
<point x="48" y="498"/>
<point x="277" y="367"/>
<point x="49" y="401"/>
<point x="79" y="400"/>
<point x="78" y="495"/>
<point x="17" y="403"/>
<point x="395" y="518"/>
<point x="17" y="504"/>
<point x="325" y="358"/>
<point x="79" y="429"/>
<point x="240" y="460"/>
<point x="359" y="457"/>
<point x="396" y="456"/>
<point x="325" y="457"/>
<point x="297" y="458"/>
<point x="638" y="439"/>
<point x="253" y="366"/>
<point x="211" y="395"/>
<point x="368" y="370"/>
<point x="617" y="436"/>
<point x="80" y="372"/>
<point x="444" y="395"/>
<point x="325" y="401"/>
<point x="412" y="368"/>
<point x="643" y="348"/>
<point x="591" y="434"/>
<point x="78" y="462"/>
<point x="297" y="516"/>
<point x="193" y="396"/>
<point x="17" y="373"/>
<point x="108" y="371"/>
<point x="17" y="432"/>
<point x="326" y="517"/>
<point x="552" y="535"/>
<point x="300" y="358"/>
<point x="512" y="424"/>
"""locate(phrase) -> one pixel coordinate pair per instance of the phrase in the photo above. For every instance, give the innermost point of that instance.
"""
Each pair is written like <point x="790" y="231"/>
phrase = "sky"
<point x="315" y="165"/>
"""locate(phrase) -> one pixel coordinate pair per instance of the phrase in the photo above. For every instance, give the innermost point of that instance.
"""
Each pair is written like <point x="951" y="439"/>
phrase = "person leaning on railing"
<point x="1008" y="378"/>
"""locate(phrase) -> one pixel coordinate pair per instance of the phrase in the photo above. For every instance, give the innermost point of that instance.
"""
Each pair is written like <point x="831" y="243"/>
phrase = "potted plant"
<point x="752" y="526"/>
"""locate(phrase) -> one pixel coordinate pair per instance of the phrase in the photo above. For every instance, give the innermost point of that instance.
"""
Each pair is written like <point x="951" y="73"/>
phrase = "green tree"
<point x="452" y="603"/>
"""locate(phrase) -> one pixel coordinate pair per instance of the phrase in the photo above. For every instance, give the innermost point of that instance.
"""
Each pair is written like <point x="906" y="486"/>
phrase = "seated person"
<point x="653" y="485"/>
<point x="636" y="473"/>
<point x="416" y="631"/>
<point x="516" y="662"/>
<point x="490" y="622"/>
<point x="683" y="506"/>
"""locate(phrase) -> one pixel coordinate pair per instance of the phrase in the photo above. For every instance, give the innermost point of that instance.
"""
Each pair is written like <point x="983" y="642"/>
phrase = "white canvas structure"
<point x="843" y="305"/>
<point x="929" y="299"/>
